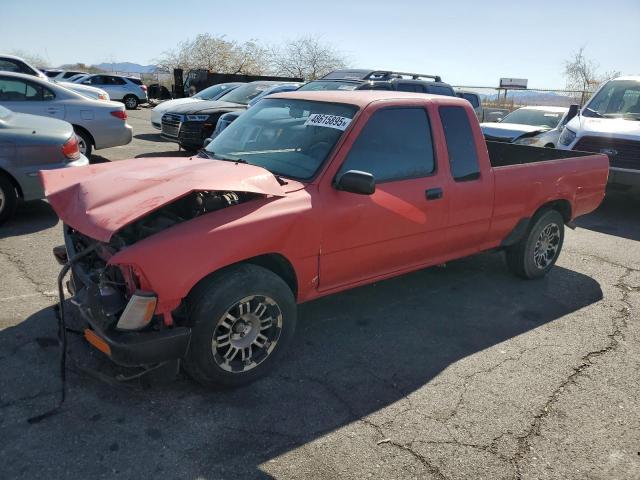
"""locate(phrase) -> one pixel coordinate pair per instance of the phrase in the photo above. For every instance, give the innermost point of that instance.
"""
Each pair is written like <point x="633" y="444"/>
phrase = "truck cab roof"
<point x="362" y="98"/>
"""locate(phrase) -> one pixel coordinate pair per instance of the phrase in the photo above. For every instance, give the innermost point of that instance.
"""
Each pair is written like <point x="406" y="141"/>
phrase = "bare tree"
<point x="217" y="54"/>
<point x="306" y="57"/>
<point x="582" y="73"/>
<point x="31" y="58"/>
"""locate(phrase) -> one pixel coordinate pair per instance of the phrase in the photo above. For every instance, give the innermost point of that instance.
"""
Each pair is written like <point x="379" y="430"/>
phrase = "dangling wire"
<point x="62" y="335"/>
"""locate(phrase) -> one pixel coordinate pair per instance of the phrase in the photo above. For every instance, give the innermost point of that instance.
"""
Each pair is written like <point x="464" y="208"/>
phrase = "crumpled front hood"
<point x="204" y="106"/>
<point x="605" y="127"/>
<point x="509" y="132"/>
<point x="99" y="200"/>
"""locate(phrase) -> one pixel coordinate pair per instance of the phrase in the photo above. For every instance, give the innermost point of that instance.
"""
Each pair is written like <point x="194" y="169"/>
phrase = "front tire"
<point x="8" y="199"/>
<point x="535" y="254"/>
<point x="243" y="319"/>
<point x="130" y="102"/>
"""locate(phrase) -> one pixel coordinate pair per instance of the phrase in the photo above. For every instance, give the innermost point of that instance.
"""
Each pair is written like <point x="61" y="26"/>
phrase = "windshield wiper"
<point x="280" y="180"/>
<point x="594" y="113"/>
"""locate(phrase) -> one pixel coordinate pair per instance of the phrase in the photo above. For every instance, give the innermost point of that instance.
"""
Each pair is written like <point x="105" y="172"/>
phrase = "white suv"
<point x="128" y="90"/>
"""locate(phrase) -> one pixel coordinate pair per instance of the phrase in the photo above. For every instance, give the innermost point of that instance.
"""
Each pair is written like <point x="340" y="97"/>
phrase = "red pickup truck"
<point x="203" y="259"/>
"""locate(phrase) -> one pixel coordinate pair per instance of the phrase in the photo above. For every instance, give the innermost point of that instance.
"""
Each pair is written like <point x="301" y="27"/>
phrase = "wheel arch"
<point x="274" y="262"/>
<point x="79" y="127"/>
<point x="562" y="205"/>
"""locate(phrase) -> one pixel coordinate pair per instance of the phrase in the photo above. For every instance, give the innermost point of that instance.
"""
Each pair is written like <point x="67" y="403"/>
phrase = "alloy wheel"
<point x="547" y="244"/>
<point x="247" y="333"/>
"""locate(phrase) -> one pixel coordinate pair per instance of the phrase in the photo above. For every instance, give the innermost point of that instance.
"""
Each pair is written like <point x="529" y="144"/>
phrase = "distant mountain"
<point x="535" y="97"/>
<point x="126" y="67"/>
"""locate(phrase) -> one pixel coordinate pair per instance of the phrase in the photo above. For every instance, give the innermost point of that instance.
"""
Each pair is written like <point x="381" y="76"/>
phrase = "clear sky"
<point x="467" y="42"/>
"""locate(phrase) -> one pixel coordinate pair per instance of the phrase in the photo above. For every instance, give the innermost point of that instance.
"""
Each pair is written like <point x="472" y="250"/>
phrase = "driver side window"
<point x="395" y="144"/>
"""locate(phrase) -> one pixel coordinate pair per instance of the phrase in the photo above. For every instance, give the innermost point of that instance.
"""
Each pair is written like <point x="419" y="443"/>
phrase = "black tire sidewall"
<point x="530" y="268"/>
<point x="212" y="299"/>
<point x="10" y="199"/>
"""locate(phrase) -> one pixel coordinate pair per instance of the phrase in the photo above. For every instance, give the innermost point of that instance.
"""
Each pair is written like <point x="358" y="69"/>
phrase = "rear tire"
<point x="8" y="199"/>
<point x="243" y="319"/>
<point x="85" y="144"/>
<point x="534" y="255"/>
<point x="130" y="102"/>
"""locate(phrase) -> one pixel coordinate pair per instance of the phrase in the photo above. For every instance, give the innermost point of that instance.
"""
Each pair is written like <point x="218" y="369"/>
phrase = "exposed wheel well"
<point x="562" y="206"/>
<point x="279" y="265"/>
<point x="274" y="262"/>
<point x="549" y="145"/>
<point x="84" y="130"/>
<point x="13" y="181"/>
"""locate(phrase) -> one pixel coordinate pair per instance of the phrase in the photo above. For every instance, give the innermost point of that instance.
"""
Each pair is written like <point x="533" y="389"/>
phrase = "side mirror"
<point x="573" y="111"/>
<point x="355" y="181"/>
<point x="206" y="142"/>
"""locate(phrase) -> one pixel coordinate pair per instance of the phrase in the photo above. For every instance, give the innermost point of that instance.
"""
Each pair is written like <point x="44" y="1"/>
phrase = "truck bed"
<point x="503" y="154"/>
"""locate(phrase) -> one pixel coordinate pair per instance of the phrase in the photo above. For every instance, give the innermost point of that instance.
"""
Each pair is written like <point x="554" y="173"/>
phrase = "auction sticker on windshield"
<point x="330" y="121"/>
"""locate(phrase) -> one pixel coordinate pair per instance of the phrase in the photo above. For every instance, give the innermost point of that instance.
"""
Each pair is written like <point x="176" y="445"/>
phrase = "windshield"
<point x="244" y="94"/>
<point x="288" y="137"/>
<point x="617" y="99"/>
<point x="212" y="92"/>
<point x="329" y="85"/>
<point x="536" y="118"/>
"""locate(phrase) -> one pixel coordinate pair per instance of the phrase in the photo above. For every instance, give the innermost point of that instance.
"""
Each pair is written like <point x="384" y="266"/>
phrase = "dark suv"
<point x="381" y="80"/>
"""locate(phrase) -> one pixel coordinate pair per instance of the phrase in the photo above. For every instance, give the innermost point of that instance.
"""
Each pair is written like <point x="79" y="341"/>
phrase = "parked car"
<point x="63" y="75"/>
<point x="610" y="124"/>
<point x="29" y="143"/>
<point x="91" y="92"/>
<point x="212" y="93"/>
<point x="128" y="90"/>
<point x="99" y="124"/>
<point x="226" y="119"/>
<point x="306" y="194"/>
<point x="11" y="63"/>
<point x="190" y="124"/>
<point x="535" y="126"/>
<point x="381" y="80"/>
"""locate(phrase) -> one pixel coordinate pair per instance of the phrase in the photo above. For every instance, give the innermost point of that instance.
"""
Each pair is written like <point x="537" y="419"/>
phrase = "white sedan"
<point x="98" y="124"/>
<point x="535" y="126"/>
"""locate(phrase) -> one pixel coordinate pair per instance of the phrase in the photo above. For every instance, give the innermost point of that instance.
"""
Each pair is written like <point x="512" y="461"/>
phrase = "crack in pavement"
<point x="619" y="323"/>
<point x="20" y="265"/>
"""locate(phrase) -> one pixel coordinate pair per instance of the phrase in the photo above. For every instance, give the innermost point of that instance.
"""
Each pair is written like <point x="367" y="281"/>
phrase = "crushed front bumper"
<point x="130" y="349"/>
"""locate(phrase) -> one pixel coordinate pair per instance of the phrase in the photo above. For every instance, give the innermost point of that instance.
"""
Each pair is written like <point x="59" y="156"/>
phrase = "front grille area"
<point x="171" y="124"/>
<point x="622" y="153"/>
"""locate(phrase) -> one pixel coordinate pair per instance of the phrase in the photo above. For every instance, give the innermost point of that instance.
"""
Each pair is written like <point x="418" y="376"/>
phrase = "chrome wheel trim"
<point x="2" y="201"/>
<point x="130" y="102"/>
<point x="547" y="245"/>
<point x="246" y="334"/>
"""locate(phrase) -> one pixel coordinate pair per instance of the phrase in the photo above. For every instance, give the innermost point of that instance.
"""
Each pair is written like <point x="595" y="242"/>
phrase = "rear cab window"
<point x="395" y="144"/>
<point x="461" y="147"/>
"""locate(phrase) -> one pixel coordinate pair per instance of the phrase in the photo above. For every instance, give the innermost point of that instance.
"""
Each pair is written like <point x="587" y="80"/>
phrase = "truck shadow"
<point x="354" y="354"/>
<point x="30" y="217"/>
<point x="618" y="215"/>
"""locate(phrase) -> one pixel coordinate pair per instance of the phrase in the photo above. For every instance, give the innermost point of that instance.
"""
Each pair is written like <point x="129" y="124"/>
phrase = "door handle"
<point x="433" y="193"/>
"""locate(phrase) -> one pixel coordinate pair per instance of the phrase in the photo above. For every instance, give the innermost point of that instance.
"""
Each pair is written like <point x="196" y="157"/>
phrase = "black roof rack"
<point x="388" y="74"/>
<point x="362" y="74"/>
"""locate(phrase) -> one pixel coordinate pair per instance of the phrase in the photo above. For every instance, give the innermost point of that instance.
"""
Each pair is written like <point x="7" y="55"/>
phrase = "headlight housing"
<point x="526" y="141"/>
<point x="567" y="137"/>
<point x="197" y="118"/>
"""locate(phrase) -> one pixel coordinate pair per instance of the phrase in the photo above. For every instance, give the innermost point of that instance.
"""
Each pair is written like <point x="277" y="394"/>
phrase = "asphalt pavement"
<point x="455" y="372"/>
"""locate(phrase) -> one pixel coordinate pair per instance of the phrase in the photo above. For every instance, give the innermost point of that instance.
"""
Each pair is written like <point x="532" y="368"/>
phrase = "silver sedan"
<point x="98" y="124"/>
<point x="28" y="144"/>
